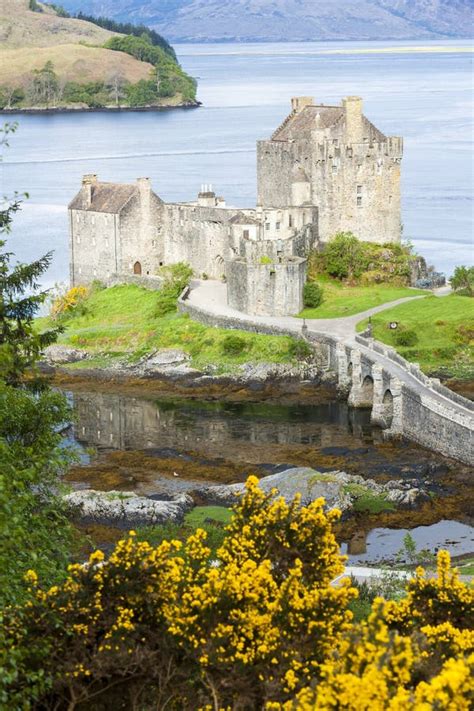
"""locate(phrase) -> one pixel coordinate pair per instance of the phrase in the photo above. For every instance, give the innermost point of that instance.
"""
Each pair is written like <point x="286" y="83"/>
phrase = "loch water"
<point x="140" y="441"/>
<point x="425" y="96"/>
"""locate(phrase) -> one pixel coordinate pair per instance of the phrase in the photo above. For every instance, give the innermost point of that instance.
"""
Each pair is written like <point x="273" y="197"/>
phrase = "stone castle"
<point x="325" y="169"/>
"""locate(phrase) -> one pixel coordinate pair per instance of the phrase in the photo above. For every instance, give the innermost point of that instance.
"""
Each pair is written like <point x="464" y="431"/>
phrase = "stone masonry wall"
<point x="274" y="289"/>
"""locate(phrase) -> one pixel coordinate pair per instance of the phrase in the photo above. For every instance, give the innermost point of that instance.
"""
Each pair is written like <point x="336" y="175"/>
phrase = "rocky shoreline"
<point x="102" y="109"/>
<point x="339" y="489"/>
<point x="170" y="370"/>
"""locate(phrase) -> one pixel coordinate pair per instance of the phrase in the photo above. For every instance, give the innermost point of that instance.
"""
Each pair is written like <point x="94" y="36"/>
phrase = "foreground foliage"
<point x="258" y="626"/>
<point x="33" y="527"/>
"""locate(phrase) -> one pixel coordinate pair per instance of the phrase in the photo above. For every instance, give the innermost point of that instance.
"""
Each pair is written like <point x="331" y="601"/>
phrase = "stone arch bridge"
<point x="403" y="400"/>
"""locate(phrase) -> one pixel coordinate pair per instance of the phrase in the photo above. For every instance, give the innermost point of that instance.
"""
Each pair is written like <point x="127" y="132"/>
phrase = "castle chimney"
<point x="354" y="125"/>
<point x="144" y="190"/>
<point x="88" y="181"/>
<point x="207" y="197"/>
<point x="299" y="102"/>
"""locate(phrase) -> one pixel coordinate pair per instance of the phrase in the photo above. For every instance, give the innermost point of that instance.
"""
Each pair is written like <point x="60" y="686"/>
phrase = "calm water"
<point x="246" y="89"/>
<point x="257" y="438"/>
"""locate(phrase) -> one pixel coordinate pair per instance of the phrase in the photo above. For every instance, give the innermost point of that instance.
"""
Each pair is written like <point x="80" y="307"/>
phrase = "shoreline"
<point x="102" y="109"/>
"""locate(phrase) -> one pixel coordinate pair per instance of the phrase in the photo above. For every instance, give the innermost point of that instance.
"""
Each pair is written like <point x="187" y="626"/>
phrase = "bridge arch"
<point x="367" y="389"/>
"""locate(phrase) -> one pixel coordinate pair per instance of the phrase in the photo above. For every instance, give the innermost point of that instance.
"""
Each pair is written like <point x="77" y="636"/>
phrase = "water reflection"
<point x="114" y="421"/>
<point x="383" y="544"/>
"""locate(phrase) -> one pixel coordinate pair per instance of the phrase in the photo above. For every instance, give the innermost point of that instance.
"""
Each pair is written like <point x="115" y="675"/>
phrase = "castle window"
<point x="290" y="221"/>
<point x="335" y="141"/>
<point x="272" y="273"/>
<point x="267" y="225"/>
<point x="334" y="167"/>
<point x="389" y="198"/>
<point x="277" y="225"/>
<point x="359" y="190"/>
<point x="246" y="234"/>
<point x="359" y="201"/>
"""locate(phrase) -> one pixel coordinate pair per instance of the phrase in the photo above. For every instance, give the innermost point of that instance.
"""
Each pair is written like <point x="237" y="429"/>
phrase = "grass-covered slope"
<point x="341" y="299"/>
<point x="51" y="61"/>
<point x="121" y="322"/>
<point x="441" y="333"/>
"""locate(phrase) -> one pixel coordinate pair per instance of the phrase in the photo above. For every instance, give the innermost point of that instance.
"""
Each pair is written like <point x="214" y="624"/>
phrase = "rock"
<point x="339" y="489"/>
<point x="262" y="372"/>
<point x="58" y="354"/>
<point x="125" y="509"/>
<point x="166" y="356"/>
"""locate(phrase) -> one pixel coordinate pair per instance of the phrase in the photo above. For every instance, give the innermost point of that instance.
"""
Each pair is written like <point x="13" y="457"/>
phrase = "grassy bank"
<point x="443" y="329"/>
<point x="121" y="322"/>
<point x="341" y="299"/>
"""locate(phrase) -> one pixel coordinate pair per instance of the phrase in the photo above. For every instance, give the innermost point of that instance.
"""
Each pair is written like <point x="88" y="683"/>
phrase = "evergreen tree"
<point x="20" y="300"/>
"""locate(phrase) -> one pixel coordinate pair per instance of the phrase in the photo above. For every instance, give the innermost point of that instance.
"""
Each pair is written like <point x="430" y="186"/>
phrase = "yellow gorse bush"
<point x="260" y="627"/>
<point x="68" y="302"/>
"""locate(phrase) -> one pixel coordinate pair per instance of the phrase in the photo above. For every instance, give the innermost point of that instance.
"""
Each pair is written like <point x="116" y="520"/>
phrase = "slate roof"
<point x="299" y="125"/>
<point x="106" y="197"/>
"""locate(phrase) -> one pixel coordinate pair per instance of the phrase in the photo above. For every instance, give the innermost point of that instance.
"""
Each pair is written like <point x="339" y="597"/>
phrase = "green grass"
<point x="197" y="517"/>
<point x="121" y="322"/>
<point x="193" y="520"/>
<point x="466" y="567"/>
<point x="444" y="327"/>
<point x="366" y="501"/>
<point x="339" y="299"/>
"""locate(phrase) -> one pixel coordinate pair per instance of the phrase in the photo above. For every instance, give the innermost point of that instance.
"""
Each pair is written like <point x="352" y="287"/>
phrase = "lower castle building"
<point x="325" y="169"/>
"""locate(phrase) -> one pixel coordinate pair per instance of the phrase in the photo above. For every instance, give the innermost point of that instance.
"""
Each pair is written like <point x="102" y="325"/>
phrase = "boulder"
<point x="339" y="489"/>
<point x="58" y="354"/>
<point x="125" y="509"/>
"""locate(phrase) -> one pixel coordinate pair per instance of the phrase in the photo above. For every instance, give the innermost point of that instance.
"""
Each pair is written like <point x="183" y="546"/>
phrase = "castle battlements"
<point x="325" y="169"/>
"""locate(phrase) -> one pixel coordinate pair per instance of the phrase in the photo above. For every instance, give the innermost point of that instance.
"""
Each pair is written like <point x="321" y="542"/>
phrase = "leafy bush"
<point x="233" y="345"/>
<point x="463" y="280"/>
<point x="266" y="260"/>
<point x="175" y="278"/>
<point x="70" y="302"/>
<point x="300" y="350"/>
<point x="312" y="294"/>
<point x="406" y="338"/>
<point x="344" y="256"/>
<point x="257" y="624"/>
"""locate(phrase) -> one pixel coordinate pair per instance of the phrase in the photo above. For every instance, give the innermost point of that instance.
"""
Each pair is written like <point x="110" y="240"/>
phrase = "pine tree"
<point x="20" y="300"/>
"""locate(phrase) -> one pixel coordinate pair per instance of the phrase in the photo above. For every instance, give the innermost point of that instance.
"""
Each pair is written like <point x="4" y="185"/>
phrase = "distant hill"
<point x="51" y="61"/>
<point x="279" y="20"/>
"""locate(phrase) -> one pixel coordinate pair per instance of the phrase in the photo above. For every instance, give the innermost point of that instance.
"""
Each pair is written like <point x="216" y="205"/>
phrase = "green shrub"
<point x="300" y="349"/>
<point x="266" y="260"/>
<point x="406" y="338"/>
<point x="175" y="278"/>
<point x="463" y="280"/>
<point x="312" y="294"/>
<point x="233" y="345"/>
<point x="344" y="256"/>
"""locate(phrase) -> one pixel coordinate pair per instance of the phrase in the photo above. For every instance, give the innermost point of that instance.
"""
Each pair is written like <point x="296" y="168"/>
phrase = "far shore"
<point x="102" y="109"/>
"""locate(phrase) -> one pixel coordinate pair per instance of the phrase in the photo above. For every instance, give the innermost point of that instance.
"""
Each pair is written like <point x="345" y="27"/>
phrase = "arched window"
<point x="137" y="268"/>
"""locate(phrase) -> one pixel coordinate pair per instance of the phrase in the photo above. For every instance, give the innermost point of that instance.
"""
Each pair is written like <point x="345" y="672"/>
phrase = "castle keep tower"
<point x="334" y="159"/>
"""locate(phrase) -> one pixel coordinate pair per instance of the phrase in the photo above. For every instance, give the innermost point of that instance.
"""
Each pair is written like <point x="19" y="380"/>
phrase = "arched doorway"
<point x="137" y="268"/>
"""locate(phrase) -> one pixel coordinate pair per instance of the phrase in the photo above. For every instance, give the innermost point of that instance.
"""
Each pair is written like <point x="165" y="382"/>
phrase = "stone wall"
<point x="446" y="426"/>
<point x="274" y="289"/>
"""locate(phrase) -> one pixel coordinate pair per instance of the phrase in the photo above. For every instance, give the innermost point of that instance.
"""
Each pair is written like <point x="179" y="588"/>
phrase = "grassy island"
<point x="52" y="61"/>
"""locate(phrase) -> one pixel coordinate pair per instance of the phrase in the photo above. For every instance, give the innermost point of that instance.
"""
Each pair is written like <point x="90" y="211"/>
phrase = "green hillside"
<point x="49" y="60"/>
